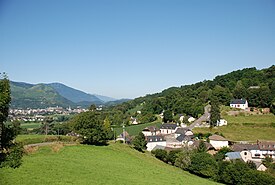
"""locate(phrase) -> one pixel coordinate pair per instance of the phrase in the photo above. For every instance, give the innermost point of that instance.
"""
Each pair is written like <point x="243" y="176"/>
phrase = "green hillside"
<point x="257" y="86"/>
<point x="82" y="164"/>
<point x="36" y="96"/>
<point x="245" y="128"/>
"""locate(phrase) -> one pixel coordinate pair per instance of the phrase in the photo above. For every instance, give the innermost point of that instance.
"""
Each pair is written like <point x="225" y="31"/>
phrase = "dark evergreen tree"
<point x="167" y="116"/>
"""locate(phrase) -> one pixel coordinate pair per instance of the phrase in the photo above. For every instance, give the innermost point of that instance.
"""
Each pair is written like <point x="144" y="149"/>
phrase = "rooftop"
<point x="217" y="138"/>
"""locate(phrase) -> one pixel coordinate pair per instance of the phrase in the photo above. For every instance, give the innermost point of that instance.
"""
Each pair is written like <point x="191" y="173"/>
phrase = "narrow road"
<point x="205" y="117"/>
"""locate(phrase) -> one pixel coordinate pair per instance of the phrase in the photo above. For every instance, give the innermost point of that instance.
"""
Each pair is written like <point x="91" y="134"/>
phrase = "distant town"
<point x="37" y="115"/>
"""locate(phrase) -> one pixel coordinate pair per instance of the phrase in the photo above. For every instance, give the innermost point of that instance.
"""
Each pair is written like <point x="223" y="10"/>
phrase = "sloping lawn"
<point x="82" y="164"/>
<point x="246" y="128"/>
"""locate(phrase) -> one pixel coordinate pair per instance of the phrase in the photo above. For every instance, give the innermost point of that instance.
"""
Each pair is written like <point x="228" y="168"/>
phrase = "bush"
<point x="172" y="156"/>
<point x="203" y="164"/>
<point x="160" y="154"/>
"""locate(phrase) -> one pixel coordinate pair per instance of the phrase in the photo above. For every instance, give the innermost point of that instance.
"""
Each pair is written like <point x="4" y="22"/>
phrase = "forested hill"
<point x="257" y="86"/>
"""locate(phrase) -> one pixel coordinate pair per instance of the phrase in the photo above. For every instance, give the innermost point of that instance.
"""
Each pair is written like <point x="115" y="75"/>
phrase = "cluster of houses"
<point x="34" y="115"/>
<point x="173" y="136"/>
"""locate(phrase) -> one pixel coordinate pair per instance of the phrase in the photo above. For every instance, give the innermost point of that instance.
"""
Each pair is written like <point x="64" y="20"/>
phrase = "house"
<point x="172" y="142"/>
<point x="208" y="146"/>
<point x="191" y="119"/>
<point x="222" y="122"/>
<point x="218" y="142"/>
<point x="239" y="103"/>
<point x="260" y="166"/>
<point x="134" y="121"/>
<point x="167" y="128"/>
<point x="151" y="131"/>
<point x="266" y="149"/>
<point x="258" y="151"/>
<point x="185" y="131"/>
<point x="153" y="141"/>
<point x="246" y="157"/>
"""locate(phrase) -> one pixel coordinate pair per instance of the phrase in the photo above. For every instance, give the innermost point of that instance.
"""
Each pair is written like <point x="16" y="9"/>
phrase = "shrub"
<point x="160" y="154"/>
<point x="203" y="164"/>
<point x="172" y="156"/>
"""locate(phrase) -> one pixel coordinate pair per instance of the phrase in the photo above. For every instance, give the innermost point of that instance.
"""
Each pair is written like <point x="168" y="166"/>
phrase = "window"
<point x="245" y="153"/>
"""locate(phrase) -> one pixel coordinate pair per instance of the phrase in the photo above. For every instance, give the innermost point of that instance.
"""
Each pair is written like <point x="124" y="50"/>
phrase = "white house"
<point x="168" y="128"/>
<point x="191" y="119"/>
<point x="258" y="151"/>
<point x="153" y="141"/>
<point x="246" y="156"/>
<point x="151" y="131"/>
<point x="222" y="122"/>
<point x="218" y="142"/>
<point x="239" y="103"/>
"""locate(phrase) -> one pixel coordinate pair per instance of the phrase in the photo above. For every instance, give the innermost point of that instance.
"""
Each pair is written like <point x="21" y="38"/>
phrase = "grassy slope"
<point x="246" y="128"/>
<point x="30" y="126"/>
<point x="135" y="129"/>
<point x="113" y="164"/>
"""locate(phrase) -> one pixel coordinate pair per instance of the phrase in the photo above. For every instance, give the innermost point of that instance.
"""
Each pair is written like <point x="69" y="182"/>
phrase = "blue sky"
<point x="127" y="48"/>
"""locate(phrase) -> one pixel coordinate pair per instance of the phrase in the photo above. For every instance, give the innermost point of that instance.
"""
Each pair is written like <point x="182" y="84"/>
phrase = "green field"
<point x="135" y="129"/>
<point x="83" y="164"/>
<point x="31" y="139"/>
<point x="246" y="128"/>
<point x="30" y="126"/>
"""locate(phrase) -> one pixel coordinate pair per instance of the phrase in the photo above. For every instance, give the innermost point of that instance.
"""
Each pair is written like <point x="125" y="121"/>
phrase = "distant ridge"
<point x="26" y="95"/>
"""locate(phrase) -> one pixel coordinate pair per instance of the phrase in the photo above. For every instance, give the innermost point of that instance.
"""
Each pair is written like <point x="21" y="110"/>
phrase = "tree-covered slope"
<point x="36" y="96"/>
<point x="257" y="86"/>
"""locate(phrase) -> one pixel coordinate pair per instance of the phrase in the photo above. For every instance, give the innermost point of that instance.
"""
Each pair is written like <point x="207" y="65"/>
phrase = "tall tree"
<point x="91" y="127"/>
<point x="240" y="90"/>
<point x="10" y="152"/>
<point x="139" y="142"/>
<point x="215" y="112"/>
<point x="167" y="116"/>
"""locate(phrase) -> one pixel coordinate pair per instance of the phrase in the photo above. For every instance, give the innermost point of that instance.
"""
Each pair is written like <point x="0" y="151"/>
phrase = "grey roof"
<point x="233" y="155"/>
<point x="181" y="130"/>
<point x="208" y="145"/>
<point x="266" y="145"/>
<point x="183" y="137"/>
<point x="151" y="129"/>
<point x="168" y="126"/>
<point x="238" y="101"/>
<point x="159" y="147"/>
<point x="155" y="138"/>
<point x="217" y="138"/>
<point x="241" y="147"/>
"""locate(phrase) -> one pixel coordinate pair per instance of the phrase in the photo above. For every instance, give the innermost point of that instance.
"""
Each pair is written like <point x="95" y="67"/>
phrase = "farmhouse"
<point x="151" y="131"/>
<point x="218" y="142"/>
<point x="239" y="103"/>
<point x="153" y="141"/>
<point x="258" y="151"/>
<point x="168" y="128"/>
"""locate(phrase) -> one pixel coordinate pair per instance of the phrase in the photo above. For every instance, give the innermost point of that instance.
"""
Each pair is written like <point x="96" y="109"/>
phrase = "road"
<point x="203" y="118"/>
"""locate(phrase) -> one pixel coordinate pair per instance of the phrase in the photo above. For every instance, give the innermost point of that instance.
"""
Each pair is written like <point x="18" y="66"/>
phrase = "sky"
<point x="130" y="48"/>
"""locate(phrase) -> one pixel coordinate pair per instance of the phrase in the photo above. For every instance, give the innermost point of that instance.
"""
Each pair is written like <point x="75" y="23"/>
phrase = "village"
<point x="173" y="136"/>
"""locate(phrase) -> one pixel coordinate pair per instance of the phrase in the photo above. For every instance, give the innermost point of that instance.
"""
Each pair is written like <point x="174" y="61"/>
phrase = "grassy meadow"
<point x="32" y="139"/>
<point x="246" y="128"/>
<point x="83" y="164"/>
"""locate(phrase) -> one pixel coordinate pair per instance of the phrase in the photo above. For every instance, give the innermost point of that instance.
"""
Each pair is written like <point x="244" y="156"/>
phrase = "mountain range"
<point x="26" y="95"/>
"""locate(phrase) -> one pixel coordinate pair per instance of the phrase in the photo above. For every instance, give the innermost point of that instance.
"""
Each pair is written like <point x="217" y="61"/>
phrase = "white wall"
<point x="151" y="145"/>
<point x="219" y="144"/>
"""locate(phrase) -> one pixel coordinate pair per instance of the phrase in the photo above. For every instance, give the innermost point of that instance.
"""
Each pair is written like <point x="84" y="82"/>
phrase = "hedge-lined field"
<point x="83" y="164"/>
